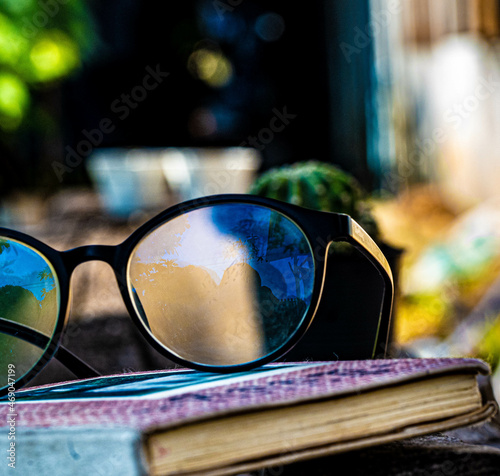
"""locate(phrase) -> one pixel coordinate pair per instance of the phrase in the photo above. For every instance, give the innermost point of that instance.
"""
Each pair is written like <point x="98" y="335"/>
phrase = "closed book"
<point x="191" y="422"/>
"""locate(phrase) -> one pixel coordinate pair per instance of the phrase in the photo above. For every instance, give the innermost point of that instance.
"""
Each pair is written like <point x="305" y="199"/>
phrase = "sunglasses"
<point x="223" y="283"/>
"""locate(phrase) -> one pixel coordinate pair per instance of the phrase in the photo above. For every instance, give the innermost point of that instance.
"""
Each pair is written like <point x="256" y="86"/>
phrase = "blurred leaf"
<point x="489" y="345"/>
<point x="41" y="42"/>
<point x="423" y="315"/>
<point x="53" y="56"/>
<point x="18" y="7"/>
<point x="12" y="44"/>
<point x="14" y="101"/>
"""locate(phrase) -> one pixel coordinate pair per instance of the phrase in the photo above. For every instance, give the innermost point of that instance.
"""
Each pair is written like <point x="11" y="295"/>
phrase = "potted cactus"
<point x="347" y="317"/>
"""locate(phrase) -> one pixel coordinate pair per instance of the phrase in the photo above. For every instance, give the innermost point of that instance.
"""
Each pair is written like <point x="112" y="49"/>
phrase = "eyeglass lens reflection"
<point x="223" y="285"/>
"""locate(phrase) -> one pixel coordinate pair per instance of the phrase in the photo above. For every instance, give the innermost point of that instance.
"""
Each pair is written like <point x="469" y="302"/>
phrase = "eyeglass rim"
<point x="55" y="259"/>
<point x="283" y="348"/>
<point x="341" y="227"/>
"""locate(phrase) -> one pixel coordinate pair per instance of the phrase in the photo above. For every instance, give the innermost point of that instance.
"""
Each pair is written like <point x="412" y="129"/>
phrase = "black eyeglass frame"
<point x="320" y="229"/>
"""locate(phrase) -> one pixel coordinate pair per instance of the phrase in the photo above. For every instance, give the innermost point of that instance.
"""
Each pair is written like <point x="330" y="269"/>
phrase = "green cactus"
<point x="319" y="186"/>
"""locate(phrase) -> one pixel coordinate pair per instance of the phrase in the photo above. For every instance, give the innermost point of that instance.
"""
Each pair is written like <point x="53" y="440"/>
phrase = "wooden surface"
<point x="435" y="455"/>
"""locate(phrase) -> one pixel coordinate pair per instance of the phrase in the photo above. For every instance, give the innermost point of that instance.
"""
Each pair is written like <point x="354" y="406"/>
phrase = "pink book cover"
<point x="150" y="402"/>
<point x="163" y="399"/>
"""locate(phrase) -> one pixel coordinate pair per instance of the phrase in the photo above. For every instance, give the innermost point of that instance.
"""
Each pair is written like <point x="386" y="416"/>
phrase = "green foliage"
<point x="4" y="245"/>
<point x="41" y="42"/>
<point x="489" y="346"/>
<point x="319" y="186"/>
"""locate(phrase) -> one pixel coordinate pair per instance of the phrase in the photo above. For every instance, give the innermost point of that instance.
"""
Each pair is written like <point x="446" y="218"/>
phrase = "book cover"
<point x="193" y="422"/>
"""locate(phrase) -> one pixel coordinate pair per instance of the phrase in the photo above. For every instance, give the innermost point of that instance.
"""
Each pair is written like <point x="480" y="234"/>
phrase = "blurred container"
<point x="198" y="172"/>
<point x="128" y="180"/>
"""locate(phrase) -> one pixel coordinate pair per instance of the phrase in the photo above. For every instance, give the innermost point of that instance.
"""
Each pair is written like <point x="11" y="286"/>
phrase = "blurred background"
<point x="112" y="111"/>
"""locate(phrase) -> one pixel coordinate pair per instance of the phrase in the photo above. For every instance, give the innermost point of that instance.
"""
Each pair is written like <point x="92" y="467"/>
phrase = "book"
<point x="191" y="422"/>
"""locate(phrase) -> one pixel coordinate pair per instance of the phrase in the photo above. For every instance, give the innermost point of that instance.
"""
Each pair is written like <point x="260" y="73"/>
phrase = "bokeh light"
<point x="270" y="26"/>
<point x="12" y="44"/>
<point x="212" y="67"/>
<point x="53" y="56"/>
<point x="14" y="101"/>
<point x="202" y="123"/>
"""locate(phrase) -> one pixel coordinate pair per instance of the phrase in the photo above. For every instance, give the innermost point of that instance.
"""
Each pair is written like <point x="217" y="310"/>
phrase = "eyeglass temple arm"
<point x="362" y="241"/>
<point x="32" y="336"/>
<point x="74" y="364"/>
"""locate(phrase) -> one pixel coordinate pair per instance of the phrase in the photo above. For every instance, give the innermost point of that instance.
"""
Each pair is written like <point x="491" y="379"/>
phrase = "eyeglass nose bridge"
<point x="72" y="258"/>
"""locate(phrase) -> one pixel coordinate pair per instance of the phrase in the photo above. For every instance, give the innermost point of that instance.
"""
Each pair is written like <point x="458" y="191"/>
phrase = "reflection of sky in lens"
<point x="204" y="245"/>
<point x="215" y="238"/>
<point x="21" y="266"/>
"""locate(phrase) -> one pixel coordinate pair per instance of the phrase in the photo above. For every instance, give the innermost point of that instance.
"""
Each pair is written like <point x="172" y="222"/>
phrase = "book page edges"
<point x="400" y="432"/>
<point x="478" y="416"/>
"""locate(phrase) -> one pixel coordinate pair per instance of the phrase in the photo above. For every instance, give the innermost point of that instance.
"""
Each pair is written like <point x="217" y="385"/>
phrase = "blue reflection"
<point x="28" y="296"/>
<point x="21" y="266"/>
<point x="223" y="284"/>
<point x="278" y="250"/>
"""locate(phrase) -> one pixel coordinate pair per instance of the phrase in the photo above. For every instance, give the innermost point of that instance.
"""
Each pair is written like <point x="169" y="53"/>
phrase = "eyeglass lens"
<point x="29" y="301"/>
<point x="223" y="285"/>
